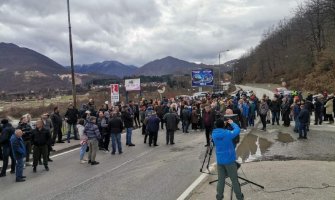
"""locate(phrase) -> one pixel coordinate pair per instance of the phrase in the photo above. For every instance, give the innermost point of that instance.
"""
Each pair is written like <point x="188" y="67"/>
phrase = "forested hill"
<point x="300" y="50"/>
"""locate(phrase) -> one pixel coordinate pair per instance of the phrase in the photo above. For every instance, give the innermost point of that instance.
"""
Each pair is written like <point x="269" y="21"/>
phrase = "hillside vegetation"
<point x="300" y="51"/>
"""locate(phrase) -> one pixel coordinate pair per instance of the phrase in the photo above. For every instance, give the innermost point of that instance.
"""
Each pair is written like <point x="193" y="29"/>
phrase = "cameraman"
<point x="226" y="156"/>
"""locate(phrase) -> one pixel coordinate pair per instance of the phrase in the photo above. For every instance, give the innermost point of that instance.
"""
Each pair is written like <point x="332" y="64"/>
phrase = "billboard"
<point x="202" y="77"/>
<point x="133" y="84"/>
<point x="115" y="94"/>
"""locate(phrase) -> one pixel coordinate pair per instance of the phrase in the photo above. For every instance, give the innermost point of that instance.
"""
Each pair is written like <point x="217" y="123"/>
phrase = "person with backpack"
<point x="152" y="128"/>
<point x="6" y="134"/>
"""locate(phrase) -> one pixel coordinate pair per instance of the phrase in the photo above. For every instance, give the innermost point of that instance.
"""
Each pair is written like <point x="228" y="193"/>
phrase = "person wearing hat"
<point x="6" y="134"/>
<point x="171" y="118"/>
<point x="226" y="157"/>
<point x="71" y="118"/>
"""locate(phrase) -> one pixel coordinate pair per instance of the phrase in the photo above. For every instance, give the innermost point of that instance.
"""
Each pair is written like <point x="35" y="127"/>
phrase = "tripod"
<point x="208" y="156"/>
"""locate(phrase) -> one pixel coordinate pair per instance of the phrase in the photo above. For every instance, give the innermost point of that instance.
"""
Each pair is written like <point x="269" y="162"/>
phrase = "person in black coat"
<point x="275" y="110"/>
<point x="115" y="127"/>
<point x="6" y="134"/>
<point x="40" y="138"/>
<point x="57" y="123"/>
<point x="71" y="117"/>
<point x="127" y="119"/>
<point x="303" y="121"/>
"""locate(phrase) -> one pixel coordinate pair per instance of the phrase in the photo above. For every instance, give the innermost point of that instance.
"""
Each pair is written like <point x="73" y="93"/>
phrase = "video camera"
<point x="227" y="126"/>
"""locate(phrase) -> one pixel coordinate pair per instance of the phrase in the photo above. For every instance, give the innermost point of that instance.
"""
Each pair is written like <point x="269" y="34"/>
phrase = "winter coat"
<point x="195" y="117"/>
<point x="72" y="115"/>
<point x="103" y="125"/>
<point x="92" y="131"/>
<point x="18" y="147"/>
<point x="82" y="136"/>
<point x="186" y="114"/>
<point x="329" y="107"/>
<point x="275" y="106"/>
<point x="303" y="116"/>
<point x="153" y="124"/>
<point x="27" y="131"/>
<point x="318" y="106"/>
<point x="6" y="134"/>
<point x="127" y="119"/>
<point x="171" y="120"/>
<point x="41" y="137"/>
<point x="208" y="118"/>
<point x="57" y="121"/>
<point x="115" y="125"/>
<point x="263" y="108"/>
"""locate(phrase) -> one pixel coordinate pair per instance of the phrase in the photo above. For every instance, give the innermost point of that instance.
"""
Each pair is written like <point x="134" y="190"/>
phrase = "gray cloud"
<point x="138" y="31"/>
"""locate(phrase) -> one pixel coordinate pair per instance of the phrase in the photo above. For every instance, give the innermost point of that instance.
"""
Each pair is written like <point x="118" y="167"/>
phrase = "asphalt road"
<point x="141" y="172"/>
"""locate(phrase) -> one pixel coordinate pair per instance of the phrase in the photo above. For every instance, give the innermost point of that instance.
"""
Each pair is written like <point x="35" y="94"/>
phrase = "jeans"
<point x="231" y="172"/>
<point x="251" y="120"/>
<point x="296" y="126"/>
<point x="318" y="118"/>
<point x="83" y="151"/>
<point x="275" y="117"/>
<point x="302" y="130"/>
<point x="19" y="168"/>
<point x="116" y="140"/>
<point x="70" y="126"/>
<point x="185" y="126"/>
<point x="93" y="144"/>
<point x="128" y="136"/>
<point x="7" y="152"/>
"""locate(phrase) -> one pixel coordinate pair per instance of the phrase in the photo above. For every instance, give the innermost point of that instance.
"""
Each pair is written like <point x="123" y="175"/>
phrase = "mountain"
<point x="108" y="68"/>
<point x="22" y="69"/>
<point x="167" y="65"/>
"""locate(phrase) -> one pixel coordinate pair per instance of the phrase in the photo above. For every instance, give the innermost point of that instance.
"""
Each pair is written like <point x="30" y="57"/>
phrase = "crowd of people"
<point x="96" y="127"/>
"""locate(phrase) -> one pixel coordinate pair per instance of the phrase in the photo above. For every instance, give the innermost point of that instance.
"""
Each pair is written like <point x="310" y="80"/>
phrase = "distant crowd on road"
<point x="96" y="127"/>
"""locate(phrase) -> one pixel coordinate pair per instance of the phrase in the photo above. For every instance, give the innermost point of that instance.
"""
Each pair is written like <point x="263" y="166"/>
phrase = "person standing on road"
<point x="19" y="152"/>
<point x="285" y="110"/>
<point x="71" y="117"/>
<point x="208" y="117"/>
<point x="330" y="108"/>
<point x="26" y="130"/>
<point x="115" y="127"/>
<point x="128" y="123"/>
<point x="275" y="110"/>
<point x="186" y="118"/>
<point x="226" y="157"/>
<point x="102" y="123"/>
<point x="152" y="128"/>
<point x="57" y="123"/>
<point x="296" y="110"/>
<point x="171" y="120"/>
<point x="318" y="110"/>
<point x="92" y="132"/>
<point x="303" y="118"/>
<point x="263" y="111"/>
<point x="83" y="140"/>
<point x="6" y="134"/>
<point x="40" y="138"/>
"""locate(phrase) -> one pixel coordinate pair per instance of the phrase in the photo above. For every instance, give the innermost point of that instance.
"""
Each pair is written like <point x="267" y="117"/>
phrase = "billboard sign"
<point x="133" y="84"/>
<point x="202" y="77"/>
<point x="115" y="94"/>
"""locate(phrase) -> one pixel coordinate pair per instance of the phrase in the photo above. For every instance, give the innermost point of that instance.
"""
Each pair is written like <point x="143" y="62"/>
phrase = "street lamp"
<point x="71" y="57"/>
<point x="220" y="63"/>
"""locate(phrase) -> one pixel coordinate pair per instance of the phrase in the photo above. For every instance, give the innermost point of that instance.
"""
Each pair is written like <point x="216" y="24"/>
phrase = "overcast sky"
<point x="138" y="31"/>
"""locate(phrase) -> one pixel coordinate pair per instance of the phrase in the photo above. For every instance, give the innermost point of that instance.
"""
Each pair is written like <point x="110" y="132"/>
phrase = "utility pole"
<point x="71" y="57"/>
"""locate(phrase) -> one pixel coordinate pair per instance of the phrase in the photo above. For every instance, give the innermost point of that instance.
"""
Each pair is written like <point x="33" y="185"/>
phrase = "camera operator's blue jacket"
<point x="223" y="141"/>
